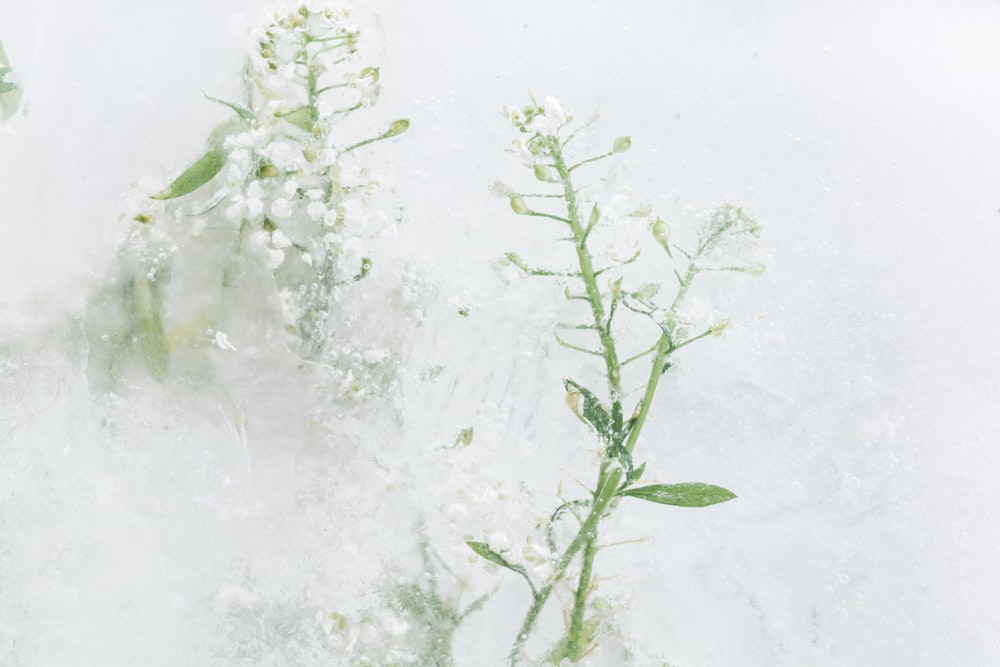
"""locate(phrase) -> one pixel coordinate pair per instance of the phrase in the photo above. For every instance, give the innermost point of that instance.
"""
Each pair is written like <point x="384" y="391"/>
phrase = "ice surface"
<point x="238" y="510"/>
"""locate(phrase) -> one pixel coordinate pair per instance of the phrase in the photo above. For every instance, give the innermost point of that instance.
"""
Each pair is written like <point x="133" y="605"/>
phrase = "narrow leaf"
<point x="624" y="458"/>
<point x="636" y="474"/>
<point x="593" y="412"/>
<point x="688" y="494"/>
<point x="211" y="203"/>
<point x="484" y="550"/>
<point x="301" y="118"/>
<point x="195" y="176"/>
<point x="243" y="112"/>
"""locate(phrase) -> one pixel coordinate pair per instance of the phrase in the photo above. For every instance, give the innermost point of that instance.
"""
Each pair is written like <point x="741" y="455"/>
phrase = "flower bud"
<point x="546" y="174"/>
<point x="595" y="216"/>
<point x="573" y="401"/>
<point x="642" y="212"/>
<point x="755" y="268"/>
<point x="370" y="72"/>
<point x="616" y="287"/>
<point x="661" y="232"/>
<point x="518" y="205"/>
<point x="719" y="327"/>
<point x="621" y="144"/>
<point x="398" y="127"/>
<point x="646" y="291"/>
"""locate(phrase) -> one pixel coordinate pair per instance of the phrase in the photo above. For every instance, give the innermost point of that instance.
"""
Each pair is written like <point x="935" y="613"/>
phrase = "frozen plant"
<point x="277" y="212"/>
<point x="603" y="240"/>
<point x="10" y="88"/>
<point x="415" y="623"/>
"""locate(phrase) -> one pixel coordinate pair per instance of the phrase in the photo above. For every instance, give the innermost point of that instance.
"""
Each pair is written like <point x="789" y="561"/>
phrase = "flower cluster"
<point x="279" y="192"/>
<point x="10" y="88"/>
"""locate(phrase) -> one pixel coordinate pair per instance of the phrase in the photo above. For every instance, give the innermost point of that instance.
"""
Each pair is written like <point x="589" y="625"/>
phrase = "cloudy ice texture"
<point x="850" y="406"/>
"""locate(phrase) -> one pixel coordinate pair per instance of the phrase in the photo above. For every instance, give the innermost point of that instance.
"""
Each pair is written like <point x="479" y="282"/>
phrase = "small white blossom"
<point x="316" y="210"/>
<point x="279" y="240"/>
<point x="280" y="208"/>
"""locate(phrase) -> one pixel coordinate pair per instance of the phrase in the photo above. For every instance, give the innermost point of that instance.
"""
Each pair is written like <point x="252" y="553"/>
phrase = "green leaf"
<point x="211" y="203"/>
<point x="301" y="118"/>
<point x="636" y="474"/>
<point x="593" y="412"/>
<point x="243" y="112"/>
<point x="195" y="176"/>
<point x="688" y="494"/>
<point x="624" y="458"/>
<point x="484" y="550"/>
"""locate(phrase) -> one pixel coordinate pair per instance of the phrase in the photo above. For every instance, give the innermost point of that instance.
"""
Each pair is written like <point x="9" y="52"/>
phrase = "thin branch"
<point x="578" y="348"/>
<point x="640" y="355"/>
<point x="618" y="265"/>
<point x="539" y="214"/>
<point x="476" y="605"/>
<point x="331" y="87"/>
<point x="529" y="194"/>
<point x="593" y="159"/>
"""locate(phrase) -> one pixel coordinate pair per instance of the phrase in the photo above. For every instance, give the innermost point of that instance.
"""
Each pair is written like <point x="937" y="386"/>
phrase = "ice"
<point x="255" y="497"/>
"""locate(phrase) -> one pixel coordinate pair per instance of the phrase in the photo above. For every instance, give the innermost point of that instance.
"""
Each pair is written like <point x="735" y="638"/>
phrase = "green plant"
<point x="606" y="289"/>
<point x="10" y="88"/>
<point x="277" y="210"/>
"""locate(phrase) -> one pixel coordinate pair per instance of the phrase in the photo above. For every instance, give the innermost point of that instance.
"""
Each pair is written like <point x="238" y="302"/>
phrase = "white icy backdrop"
<point x="853" y="407"/>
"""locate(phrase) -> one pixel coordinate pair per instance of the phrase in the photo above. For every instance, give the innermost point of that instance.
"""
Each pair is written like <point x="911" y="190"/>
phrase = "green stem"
<point x="587" y="272"/>
<point x="609" y="477"/>
<point x="603" y="497"/>
<point x="576" y="640"/>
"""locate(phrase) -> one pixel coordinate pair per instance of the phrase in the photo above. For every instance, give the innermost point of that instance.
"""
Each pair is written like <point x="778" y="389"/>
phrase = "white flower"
<point x="543" y="125"/>
<point x="515" y="115"/>
<point x="280" y="208"/>
<point x="527" y="157"/>
<point x="244" y="208"/>
<point x="279" y="240"/>
<point x="316" y="210"/>
<point x="554" y="110"/>
<point x="499" y="541"/>
<point x="281" y="154"/>
<point x="275" y="258"/>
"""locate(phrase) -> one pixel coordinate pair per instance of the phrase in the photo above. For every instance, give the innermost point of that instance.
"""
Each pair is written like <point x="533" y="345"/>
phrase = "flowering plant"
<point x="278" y="205"/>
<point x="604" y="244"/>
<point x="10" y="88"/>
